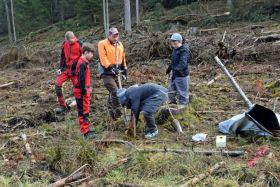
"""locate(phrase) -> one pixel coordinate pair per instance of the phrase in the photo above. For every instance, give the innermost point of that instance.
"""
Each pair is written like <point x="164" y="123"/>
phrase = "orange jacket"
<point x="107" y="54"/>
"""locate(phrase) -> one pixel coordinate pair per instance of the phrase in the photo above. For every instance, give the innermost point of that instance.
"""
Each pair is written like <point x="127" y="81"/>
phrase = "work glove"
<point x="168" y="70"/>
<point x="58" y="71"/>
<point x="115" y="71"/>
<point x="125" y="75"/>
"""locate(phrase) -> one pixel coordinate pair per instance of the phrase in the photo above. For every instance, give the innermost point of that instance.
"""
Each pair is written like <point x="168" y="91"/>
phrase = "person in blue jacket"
<point x="146" y="98"/>
<point x="179" y="82"/>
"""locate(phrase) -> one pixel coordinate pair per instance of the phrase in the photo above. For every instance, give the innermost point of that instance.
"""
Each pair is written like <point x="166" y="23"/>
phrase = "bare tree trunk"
<point x="107" y="15"/>
<point x="127" y="15"/>
<point x="137" y="13"/>
<point x="8" y="22"/>
<point x="229" y="4"/>
<point x="61" y="11"/>
<point x="104" y="15"/>
<point x="13" y="21"/>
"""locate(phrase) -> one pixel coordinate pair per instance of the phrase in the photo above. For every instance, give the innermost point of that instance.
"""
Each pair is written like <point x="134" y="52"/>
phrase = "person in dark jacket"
<point x="146" y="98"/>
<point x="179" y="82"/>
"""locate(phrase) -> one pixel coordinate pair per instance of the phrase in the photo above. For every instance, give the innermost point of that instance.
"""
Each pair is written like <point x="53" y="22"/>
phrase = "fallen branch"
<point x="26" y="104"/>
<point x="106" y="170"/>
<point x="7" y="84"/>
<point x="268" y="38"/>
<point x="74" y="179"/>
<point x="179" y="151"/>
<point x="186" y="151"/>
<point x="213" y="80"/>
<point x="221" y="15"/>
<point x="110" y="141"/>
<point x="202" y="176"/>
<point x="28" y="148"/>
<point x="210" y="111"/>
<point x="128" y="185"/>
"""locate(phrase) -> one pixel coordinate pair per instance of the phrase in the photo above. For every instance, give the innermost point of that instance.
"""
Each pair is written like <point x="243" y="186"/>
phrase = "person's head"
<point x="113" y="35"/>
<point x="88" y="50"/>
<point x="176" y="40"/>
<point x="121" y="94"/>
<point x="69" y="36"/>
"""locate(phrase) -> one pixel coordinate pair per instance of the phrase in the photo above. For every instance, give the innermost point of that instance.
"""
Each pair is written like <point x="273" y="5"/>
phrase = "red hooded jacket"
<point x="70" y="53"/>
<point x="82" y="79"/>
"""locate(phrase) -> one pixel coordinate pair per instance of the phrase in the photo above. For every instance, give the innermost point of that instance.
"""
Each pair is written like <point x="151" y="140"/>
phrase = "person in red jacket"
<point x="70" y="53"/>
<point x="82" y="90"/>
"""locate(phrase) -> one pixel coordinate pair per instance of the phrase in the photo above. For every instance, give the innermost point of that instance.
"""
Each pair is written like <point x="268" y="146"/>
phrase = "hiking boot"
<point x="90" y="135"/>
<point x="151" y="135"/>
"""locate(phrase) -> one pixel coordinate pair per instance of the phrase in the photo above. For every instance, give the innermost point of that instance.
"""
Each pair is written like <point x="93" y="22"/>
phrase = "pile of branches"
<point x="249" y="46"/>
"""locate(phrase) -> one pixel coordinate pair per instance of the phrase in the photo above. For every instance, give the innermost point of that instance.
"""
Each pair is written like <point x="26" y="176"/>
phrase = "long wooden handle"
<point x="234" y="83"/>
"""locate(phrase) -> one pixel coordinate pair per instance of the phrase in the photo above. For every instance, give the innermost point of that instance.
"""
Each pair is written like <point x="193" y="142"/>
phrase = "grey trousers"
<point x="179" y="86"/>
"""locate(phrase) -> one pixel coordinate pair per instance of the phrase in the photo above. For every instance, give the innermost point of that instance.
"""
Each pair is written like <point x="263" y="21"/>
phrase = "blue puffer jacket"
<point x="147" y="98"/>
<point x="180" y="60"/>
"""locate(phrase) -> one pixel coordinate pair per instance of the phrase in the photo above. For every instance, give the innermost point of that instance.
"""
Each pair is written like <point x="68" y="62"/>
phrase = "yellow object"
<point x="221" y="141"/>
<point x="107" y="53"/>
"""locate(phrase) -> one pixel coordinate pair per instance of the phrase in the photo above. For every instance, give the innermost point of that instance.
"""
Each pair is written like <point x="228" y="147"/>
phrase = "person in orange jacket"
<point x="82" y="90"/>
<point x="112" y="63"/>
<point x="70" y="53"/>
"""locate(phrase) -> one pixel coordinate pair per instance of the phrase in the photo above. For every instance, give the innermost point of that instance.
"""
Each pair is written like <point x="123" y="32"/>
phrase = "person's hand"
<point x="58" y="71"/>
<point x="115" y="71"/>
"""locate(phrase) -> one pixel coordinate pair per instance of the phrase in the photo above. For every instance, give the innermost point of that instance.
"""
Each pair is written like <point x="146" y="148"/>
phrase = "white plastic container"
<point x="221" y="141"/>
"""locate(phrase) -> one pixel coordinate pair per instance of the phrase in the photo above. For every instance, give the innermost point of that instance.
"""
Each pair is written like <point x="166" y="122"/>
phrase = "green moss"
<point x="274" y="88"/>
<point x="215" y="181"/>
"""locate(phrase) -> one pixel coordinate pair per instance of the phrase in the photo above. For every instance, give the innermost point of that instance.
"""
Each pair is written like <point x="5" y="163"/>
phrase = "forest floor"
<point x="26" y="107"/>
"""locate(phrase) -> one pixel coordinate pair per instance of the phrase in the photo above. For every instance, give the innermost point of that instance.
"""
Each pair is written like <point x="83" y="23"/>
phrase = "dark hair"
<point x="88" y="47"/>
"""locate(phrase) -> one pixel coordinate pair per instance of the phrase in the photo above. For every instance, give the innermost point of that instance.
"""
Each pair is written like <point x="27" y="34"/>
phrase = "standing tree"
<point x="8" y="22"/>
<point x="137" y="13"/>
<point x="106" y="16"/>
<point x="13" y="21"/>
<point x="127" y="15"/>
